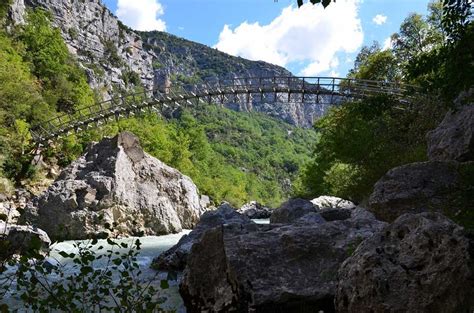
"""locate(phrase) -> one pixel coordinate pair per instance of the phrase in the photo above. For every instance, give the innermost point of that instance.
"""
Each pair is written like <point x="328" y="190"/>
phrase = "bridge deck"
<point x="308" y="90"/>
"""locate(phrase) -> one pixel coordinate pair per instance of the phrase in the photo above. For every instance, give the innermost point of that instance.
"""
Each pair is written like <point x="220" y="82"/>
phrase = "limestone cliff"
<point x="117" y="58"/>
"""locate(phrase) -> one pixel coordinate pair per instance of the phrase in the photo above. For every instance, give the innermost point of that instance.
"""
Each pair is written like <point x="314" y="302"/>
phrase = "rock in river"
<point x="271" y="268"/>
<point x="175" y="258"/>
<point x="331" y="208"/>
<point x="115" y="184"/>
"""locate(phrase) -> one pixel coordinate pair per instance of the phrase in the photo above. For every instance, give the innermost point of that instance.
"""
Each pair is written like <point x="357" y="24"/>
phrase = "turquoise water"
<point x="151" y="246"/>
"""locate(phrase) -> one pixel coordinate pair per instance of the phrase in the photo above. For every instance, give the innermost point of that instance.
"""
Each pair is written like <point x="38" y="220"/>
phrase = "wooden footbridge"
<point x="308" y="90"/>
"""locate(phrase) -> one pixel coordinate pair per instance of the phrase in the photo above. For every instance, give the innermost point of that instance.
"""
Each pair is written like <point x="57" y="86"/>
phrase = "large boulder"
<point x="420" y="263"/>
<point x="175" y="258"/>
<point x="291" y="210"/>
<point x="426" y="186"/>
<point x="453" y="139"/>
<point x="116" y="185"/>
<point x="271" y="268"/>
<point x="255" y="210"/>
<point x="331" y="208"/>
<point x="22" y="239"/>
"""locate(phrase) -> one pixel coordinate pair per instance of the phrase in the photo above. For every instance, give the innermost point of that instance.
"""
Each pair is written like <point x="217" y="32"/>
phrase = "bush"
<point x="82" y="285"/>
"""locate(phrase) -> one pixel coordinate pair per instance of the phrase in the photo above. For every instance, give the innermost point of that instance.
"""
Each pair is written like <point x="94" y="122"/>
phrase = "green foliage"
<point x="130" y="77"/>
<point x="92" y="279"/>
<point x="73" y="33"/>
<point x="417" y="35"/>
<point x="446" y="70"/>
<point x="39" y="77"/>
<point x="4" y="6"/>
<point x="458" y="14"/>
<point x="375" y="64"/>
<point x="362" y="140"/>
<point x="111" y="54"/>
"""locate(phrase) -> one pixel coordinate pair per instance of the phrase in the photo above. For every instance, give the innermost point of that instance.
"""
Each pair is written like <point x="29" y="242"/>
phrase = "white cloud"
<point x="141" y="14"/>
<point x="379" y="19"/>
<point x="310" y="34"/>
<point x="387" y="43"/>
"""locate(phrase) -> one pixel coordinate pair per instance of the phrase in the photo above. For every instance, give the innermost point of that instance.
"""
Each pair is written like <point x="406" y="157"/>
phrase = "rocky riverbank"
<point x="401" y="254"/>
<point x="409" y="250"/>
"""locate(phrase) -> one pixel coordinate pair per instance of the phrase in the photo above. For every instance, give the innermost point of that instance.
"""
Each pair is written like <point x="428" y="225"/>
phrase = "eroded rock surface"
<point x="330" y="208"/>
<point x="426" y="186"/>
<point x="22" y="238"/>
<point x="292" y="210"/>
<point x="453" y="139"/>
<point x="255" y="210"/>
<point x="175" y="258"/>
<point x="420" y="263"/>
<point x="115" y="183"/>
<point x="271" y="268"/>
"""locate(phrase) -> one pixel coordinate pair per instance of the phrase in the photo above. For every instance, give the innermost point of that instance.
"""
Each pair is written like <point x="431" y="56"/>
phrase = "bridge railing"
<point x="320" y="90"/>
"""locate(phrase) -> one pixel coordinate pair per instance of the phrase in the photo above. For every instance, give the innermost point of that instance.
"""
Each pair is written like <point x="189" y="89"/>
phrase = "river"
<point x="151" y="246"/>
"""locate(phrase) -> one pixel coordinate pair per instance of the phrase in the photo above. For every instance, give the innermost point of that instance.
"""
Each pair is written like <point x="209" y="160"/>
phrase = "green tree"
<point x="375" y="64"/>
<point x="64" y="83"/>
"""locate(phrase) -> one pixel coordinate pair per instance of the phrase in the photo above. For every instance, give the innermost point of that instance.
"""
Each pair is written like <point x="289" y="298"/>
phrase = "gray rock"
<point x="118" y="184"/>
<point x="205" y="202"/>
<point x="292" y="210"/>
<point x="330" y="202"/>
<point x="175" y="258"/>
<point x="9" y="212"/>
<point x="420" y="263"/>
<point x="330" y="208"/>
<point x="453" y="139"/>
<point x="420" y="187"/>
<point x="255" y="210"/>
<point x="311" y="218"/>
<point x="276" y="268"/>
<point x="22" y="238"/>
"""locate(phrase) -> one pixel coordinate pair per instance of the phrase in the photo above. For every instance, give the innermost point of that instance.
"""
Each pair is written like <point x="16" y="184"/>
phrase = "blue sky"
<point x="307" y="41"/>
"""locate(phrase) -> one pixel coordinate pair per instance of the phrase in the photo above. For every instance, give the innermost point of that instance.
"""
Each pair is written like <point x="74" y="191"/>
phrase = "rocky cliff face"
<point x="116" y="187"/>
<point x="111" y="54"/>
<point x="116" y="57"/>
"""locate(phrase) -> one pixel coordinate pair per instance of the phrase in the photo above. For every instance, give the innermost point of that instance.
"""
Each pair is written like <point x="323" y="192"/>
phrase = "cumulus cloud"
<point x="309" y="34"/>
<point x="379" y="19"/>
<point x="387" y="43"/>
<point x="141" y="14"/>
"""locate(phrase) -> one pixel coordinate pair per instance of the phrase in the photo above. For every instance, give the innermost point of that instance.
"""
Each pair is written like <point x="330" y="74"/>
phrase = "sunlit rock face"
<point x="116" y="187"/>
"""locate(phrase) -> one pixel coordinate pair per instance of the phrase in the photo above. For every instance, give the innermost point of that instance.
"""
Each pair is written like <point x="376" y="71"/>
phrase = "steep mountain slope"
<point x="117" y="58"/>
